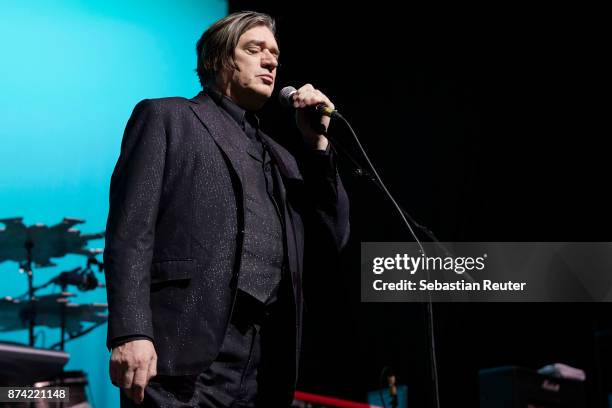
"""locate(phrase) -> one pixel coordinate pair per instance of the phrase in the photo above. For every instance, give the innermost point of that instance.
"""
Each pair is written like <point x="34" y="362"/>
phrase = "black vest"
<point x="263" y="254"/>
<point x="263" y="251"/>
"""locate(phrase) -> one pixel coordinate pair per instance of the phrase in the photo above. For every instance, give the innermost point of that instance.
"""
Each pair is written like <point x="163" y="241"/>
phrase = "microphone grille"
<point x="285" y="96"/>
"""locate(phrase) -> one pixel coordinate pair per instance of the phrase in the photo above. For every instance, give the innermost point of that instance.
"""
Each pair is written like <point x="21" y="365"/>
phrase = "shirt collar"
<point x="236" y="112"/>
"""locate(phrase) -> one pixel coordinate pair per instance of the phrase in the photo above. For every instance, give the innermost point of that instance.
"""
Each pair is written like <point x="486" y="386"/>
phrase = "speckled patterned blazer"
<point x="176" y="226"/>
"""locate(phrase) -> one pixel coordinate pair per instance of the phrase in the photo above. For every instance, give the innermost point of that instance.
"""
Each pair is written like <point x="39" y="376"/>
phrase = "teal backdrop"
<point x="70" y="75"/>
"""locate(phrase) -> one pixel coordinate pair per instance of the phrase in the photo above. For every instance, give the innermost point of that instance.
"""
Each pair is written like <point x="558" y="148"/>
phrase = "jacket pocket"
<point x="162" y="271"/>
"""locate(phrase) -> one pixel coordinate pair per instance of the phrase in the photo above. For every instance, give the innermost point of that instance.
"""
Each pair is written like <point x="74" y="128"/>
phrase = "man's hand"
<point x="305" y="97"/>
<point x="132" y="365"/>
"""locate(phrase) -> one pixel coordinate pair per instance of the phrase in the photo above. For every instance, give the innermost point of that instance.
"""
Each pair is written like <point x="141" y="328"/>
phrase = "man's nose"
<point x="269" y="60"/>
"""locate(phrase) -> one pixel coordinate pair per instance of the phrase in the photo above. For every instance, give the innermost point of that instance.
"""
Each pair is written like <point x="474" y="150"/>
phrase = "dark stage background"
<point x="486" y="123"/>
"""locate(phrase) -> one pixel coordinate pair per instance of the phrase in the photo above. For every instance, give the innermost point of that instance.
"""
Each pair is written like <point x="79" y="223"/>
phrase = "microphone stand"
<point x="376" y="180"/>
<point x="27" y="268"/>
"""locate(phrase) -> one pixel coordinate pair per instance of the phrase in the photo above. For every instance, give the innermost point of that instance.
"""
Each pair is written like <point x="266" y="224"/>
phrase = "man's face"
<point x="256" y="59"/>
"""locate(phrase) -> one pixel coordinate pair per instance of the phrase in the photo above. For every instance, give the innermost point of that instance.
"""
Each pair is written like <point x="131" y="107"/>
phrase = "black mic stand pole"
<point x="359" y="171"/>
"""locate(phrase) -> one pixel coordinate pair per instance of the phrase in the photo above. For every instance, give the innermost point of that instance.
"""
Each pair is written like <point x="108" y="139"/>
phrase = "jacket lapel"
<point x="220" y="128"/>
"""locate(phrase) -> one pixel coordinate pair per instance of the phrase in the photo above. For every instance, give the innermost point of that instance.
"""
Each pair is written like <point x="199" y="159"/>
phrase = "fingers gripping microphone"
<point x="286" y="99"/>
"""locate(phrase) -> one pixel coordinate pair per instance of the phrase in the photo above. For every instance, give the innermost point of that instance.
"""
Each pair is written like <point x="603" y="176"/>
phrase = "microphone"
<point x="286" y="99"/>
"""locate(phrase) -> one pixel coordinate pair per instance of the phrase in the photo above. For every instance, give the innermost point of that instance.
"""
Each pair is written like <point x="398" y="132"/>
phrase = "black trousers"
<point x="251" y="369"/>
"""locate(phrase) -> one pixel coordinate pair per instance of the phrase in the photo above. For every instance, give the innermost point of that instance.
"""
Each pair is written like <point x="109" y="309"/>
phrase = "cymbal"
<point x="47" y="309"/>
<point x="47" y="241"/>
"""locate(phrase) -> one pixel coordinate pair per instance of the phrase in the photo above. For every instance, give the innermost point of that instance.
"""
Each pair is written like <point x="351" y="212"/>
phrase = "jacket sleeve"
<point x="327" y="194"/>
<point x="135" y="191"/>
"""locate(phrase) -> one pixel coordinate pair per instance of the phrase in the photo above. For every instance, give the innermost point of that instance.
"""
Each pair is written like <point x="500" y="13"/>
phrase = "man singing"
<point x="205" y="233"/>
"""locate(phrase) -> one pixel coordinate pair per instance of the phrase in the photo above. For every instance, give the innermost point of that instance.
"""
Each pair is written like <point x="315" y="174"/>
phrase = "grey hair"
<point x="216" y="47"/>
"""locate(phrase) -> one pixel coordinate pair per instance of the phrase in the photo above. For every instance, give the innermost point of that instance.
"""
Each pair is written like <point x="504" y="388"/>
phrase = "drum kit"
<point x="34" y="247"/>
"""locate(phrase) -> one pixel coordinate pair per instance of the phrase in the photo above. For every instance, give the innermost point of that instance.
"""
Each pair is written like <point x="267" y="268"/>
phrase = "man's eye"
<point x="252" y="50"/>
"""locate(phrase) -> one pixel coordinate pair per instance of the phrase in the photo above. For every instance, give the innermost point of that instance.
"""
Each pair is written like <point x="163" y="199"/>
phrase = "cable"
<point x="359" y="171"/>
<point x="381" y="183"/>
<point x="403" y="214"/>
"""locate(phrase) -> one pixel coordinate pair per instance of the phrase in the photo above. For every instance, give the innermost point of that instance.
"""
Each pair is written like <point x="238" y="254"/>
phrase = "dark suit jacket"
<point x="176" y="226"/>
